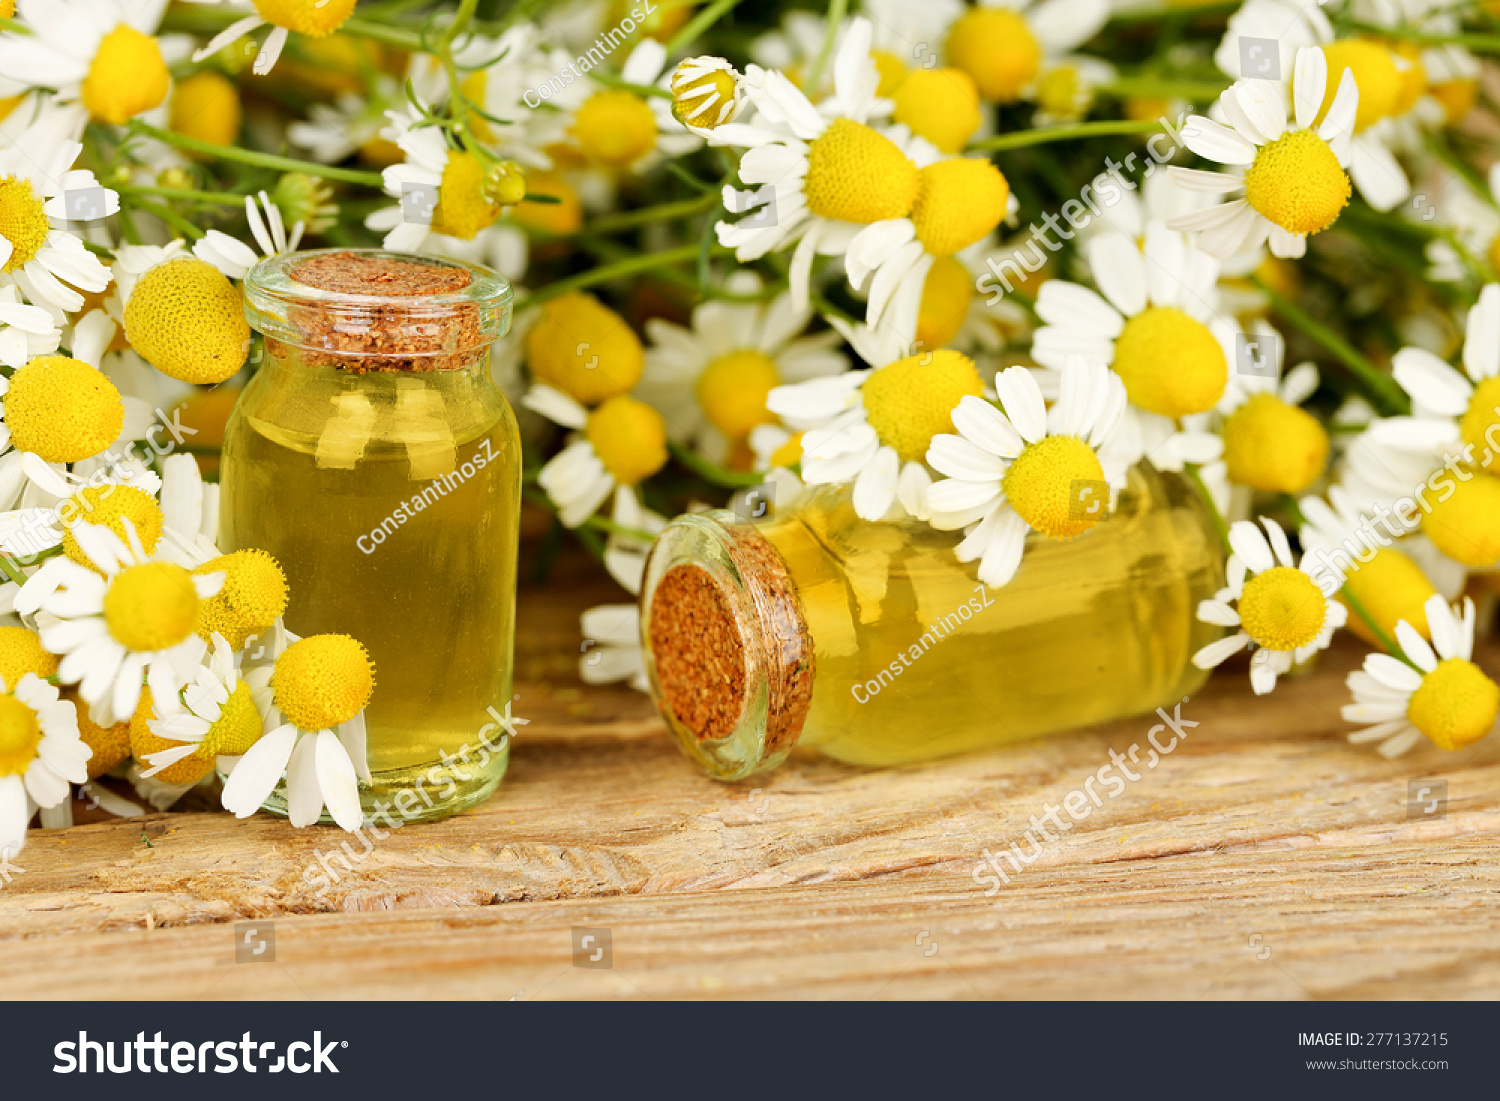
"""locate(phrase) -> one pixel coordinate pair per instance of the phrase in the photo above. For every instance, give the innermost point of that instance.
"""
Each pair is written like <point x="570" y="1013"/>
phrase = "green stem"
<point x="1381" y="386"/>
<point x="1019" y="139"/>
<point x="11" y="570"/>
<point x="1487" y="42"/>
<point x="611" y="271"/>
<point x="836" y="10"/>
<point x="220" y="198"/>
<point x="1346" y="594"/>
<point x="460" y="21"/>
<point x="1208" y="502"/>
<point x="624" y="531"/>
<point x="713" y="472"/>
<point x="171" y="217"/>
<point x="644" y="91"/>
<point x="698" y="24"/>
<point x="664" y="212"/>
<point x="1153" y="15"/>
<point x="397" y="37"/>
<point x="1195" y="91"/>
<point x="262" y="160"/>
<point x="13" y="26"/>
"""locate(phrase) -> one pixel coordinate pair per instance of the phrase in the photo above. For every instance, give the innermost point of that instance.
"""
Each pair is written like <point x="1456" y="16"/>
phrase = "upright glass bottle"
<point x="373" y="455"/>
<point x="874" y="644"/>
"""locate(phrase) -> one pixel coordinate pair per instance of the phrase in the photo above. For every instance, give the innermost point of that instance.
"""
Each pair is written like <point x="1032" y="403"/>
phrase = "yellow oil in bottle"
<point x="911" y="657"/>
<point x="325" y="469"/>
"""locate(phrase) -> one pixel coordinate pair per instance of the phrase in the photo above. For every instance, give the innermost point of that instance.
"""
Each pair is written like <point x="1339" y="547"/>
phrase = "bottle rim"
<point x="419" y="330"/>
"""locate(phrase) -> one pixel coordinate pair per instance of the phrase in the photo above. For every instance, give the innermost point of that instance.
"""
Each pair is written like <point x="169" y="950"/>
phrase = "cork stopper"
<point x="369" y="310"/>
<point x="729" y="654"/>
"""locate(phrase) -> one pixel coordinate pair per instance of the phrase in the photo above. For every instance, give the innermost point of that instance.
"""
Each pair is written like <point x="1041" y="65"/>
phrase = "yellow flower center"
<point x="959" y="201"/>
<point x="7" y="9"/>
<point x="856" y="174"/>
<point x="108" y="745"/>
<point x="206" y="106"/>
<point x="189" y="770"/>
<point x="1375" y="74"/>
<point x="253" y="597"/>
<point x="1296" y="183"/>
<point x="615" y="128"/>
<point x="475" y="88"/>
<point x="941" y="105"/>
<point x="1041" y="485"/>
<point x="1170" y="363"/>
<point x="1061" y="91"/>
<point x="20" y="734"/>
<point x="1457" y="97"/>
<point x="892" y="72"/>
<point x="910" y="401"/>
<point x="584" y="349"/>
<point x="237" y="729"/>
<point x="22" y="221"/>
<point x="1466" y="527"/>
<point x="700" y="101"/>
<point x="1455" y="705"/>
<point x="1282" y="609"/>
<point x="1391" y="587"/>
<point x="109" y="506"/>
<point x="1483" y="413"/>
<point x="462" y="209"/>
<point x="126" y="78"/>
<point x="1413" y="77"/>
<point x="322" y="681"/>
<point x="62" y="410"/>
<point x="997" y="49"/>
<point x="314" y="18"/>
<point x="733" y="388"/>
<point x="151" y="607"/>
<point x="629" y="437"/>
<point x="558" y="219"/>
<point x="789" y="453"/>
<point x="188" y="321"/>
<point x="946" y="297"/>
<point x="1274" y="447"/>
<point x="21" y="653"/>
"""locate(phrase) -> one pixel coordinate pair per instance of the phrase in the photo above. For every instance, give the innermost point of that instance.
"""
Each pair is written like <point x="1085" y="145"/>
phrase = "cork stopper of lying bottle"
<point x="727" y="649"/>
<point x="364" y="310"/>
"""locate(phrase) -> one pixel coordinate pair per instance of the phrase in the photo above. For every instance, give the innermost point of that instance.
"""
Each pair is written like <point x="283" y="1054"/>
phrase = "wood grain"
<point x="1265" y="857"/>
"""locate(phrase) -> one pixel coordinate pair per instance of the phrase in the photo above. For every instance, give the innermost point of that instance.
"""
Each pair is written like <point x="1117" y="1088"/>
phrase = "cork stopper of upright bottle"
<point x="730" y="655"/>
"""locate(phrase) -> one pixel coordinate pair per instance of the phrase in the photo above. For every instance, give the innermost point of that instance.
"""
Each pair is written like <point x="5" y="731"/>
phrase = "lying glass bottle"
<point x="375" y="457"/>
<point x="875" y="645"/>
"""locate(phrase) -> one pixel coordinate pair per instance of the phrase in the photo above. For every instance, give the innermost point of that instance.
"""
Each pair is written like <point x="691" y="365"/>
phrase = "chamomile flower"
<point x="874" y="427"/>
<point x="1294" y="182"/>
<point x="706" y="93"/>
<point x="959" y="202"/>
<point x="38" y="253"/>
<point x="619" y="443"/>
<point x="105" y="497"/>
<point x="1007" y="45"/>
<point x="40" y="755"/>
<point x="830" y="172"/>
<point x="1271" y="444"/>
<point x="218" y="719"/>
<point x="456" y="178"/>
<point x="1347" y="546"/>
<point x="352" y="123"/>
<point x="1013" y="470"/>
<point x="1441" y="695"/>
<point x="1451" y="408"/>
<point x="710" y="380"/>
<point x="313" y="18"/>
<point x="25" y="331"/>
<point x="102" y="54"/>
<point x="1278" y="609"/>
<point x="1157" y="325"/>
<point x="313" y="693"/>
<point x="181" y="313"/>
<point x="234" y="258"/>
<point x="123" y="614"/>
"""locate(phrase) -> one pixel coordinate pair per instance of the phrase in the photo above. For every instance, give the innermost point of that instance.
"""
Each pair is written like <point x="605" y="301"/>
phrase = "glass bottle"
<point x="875" y="645"/>
<point x="375" y="457"/>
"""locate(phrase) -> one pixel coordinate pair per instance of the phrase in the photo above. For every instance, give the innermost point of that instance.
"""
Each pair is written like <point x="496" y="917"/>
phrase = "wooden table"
<point x="1264" y="858"/>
